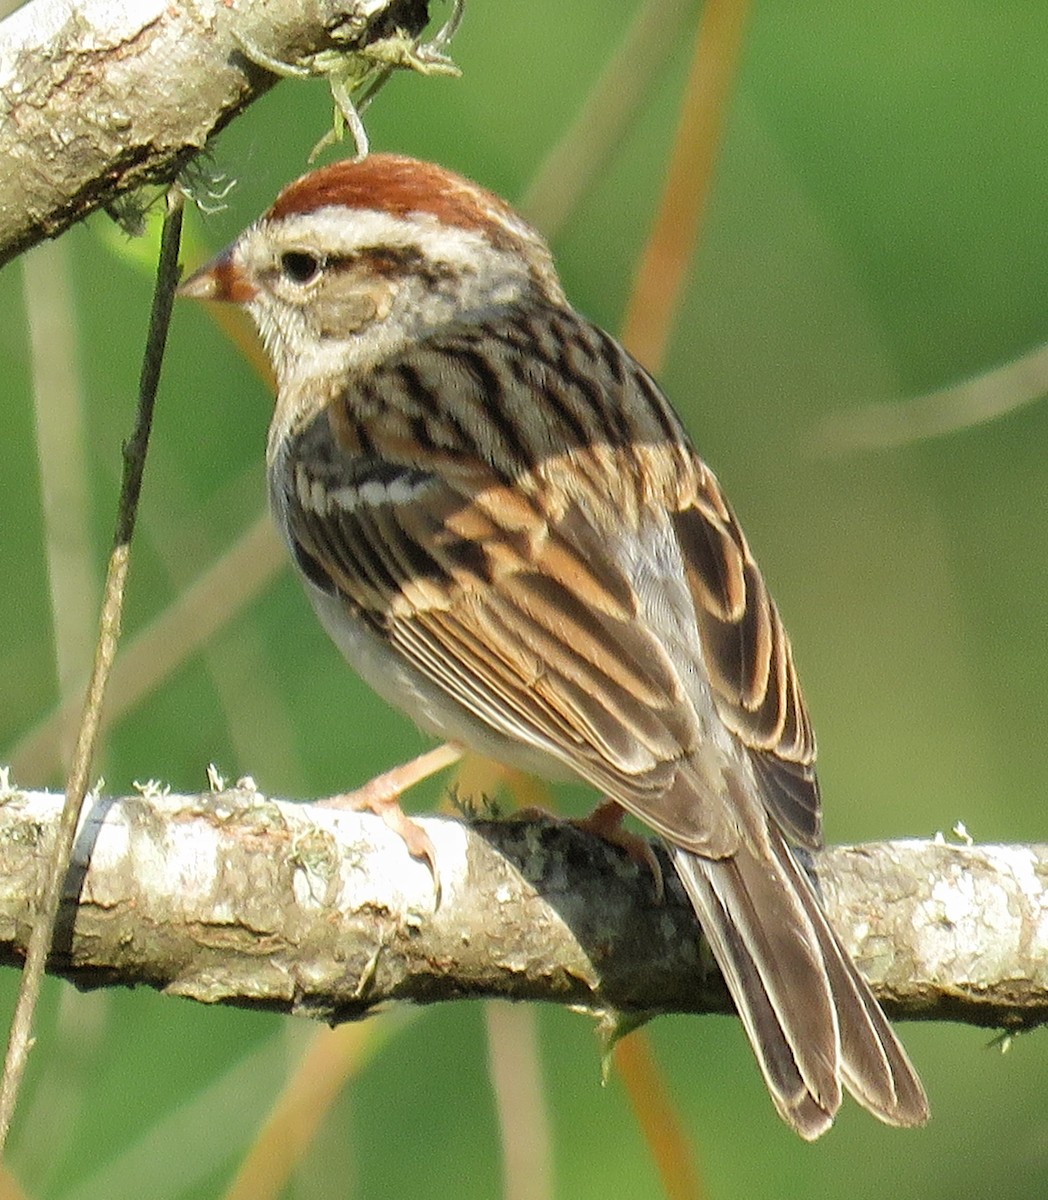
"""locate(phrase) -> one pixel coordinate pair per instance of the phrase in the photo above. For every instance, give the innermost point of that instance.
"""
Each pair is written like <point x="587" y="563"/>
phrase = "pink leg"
<point x="381" y="796"/>
<point x="605" y="822"/>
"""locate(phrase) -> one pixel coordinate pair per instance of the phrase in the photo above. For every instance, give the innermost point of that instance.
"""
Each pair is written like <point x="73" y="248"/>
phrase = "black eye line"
<point x="302" y="267"/>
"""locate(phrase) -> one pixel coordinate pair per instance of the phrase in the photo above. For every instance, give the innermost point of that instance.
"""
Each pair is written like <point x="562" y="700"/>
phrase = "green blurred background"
<point x="876" y="231"/>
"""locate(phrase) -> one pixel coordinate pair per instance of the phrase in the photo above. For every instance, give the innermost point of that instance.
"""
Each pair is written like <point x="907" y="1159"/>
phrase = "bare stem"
<point x="20" y="1037"/>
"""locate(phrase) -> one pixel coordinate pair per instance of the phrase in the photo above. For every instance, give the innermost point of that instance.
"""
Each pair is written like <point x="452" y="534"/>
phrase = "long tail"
<point x="809" y="1015"/>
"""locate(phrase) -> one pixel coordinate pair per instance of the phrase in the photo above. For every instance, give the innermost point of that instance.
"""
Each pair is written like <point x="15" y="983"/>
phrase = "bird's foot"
<point x="605" y="822"/>
<point x="381" y="796"/>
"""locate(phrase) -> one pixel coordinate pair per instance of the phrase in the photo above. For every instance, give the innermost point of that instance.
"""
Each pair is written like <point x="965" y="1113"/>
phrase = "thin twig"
<point x="20" y="1038"/>
<point x="572" y="166"/>
<point x="521" y="1103"/>
<point x="332" y="1058"/>
<point x="670" y="250"/>
<point x="63" y="461"/>
<point x="659" y="1119"/>
<point x="889" y="424"/>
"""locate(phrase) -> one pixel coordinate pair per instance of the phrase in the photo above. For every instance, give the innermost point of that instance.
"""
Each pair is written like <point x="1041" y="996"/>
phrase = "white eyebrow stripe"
<point x="344" y="233"/>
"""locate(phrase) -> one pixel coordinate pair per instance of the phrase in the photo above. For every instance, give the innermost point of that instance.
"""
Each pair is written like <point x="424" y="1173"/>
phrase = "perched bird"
<point x="503" y="525"/>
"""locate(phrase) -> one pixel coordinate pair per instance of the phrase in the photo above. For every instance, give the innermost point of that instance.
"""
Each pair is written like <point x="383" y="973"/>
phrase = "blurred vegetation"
<point x="876" y="231"/>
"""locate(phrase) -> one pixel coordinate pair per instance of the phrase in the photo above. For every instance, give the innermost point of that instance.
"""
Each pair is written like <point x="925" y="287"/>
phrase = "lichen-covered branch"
<point x="98" y="98"/>
<point x="233" y="897"/>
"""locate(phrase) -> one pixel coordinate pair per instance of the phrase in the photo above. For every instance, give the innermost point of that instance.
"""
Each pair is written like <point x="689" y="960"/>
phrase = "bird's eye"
<point x="299" y="266"/>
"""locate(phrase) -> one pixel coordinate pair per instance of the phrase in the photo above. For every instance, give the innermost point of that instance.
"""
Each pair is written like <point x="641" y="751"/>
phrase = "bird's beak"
<point x="220" y="279"/>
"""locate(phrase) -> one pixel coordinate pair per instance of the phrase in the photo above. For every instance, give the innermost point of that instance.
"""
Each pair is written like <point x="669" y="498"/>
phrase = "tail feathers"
<point x="793" y="1030"/>
<point x="812" y="1021"/>
<point x="874" y="1066"/>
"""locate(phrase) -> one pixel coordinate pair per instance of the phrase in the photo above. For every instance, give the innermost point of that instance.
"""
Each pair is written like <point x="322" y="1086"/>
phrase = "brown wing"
<point x="467" y="536"/>
<point x="749" y="658"/>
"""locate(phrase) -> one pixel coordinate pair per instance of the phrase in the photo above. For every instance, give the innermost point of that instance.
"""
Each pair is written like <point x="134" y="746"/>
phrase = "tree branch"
<point x="236" y="898"/>
<point x="99" y="98"/>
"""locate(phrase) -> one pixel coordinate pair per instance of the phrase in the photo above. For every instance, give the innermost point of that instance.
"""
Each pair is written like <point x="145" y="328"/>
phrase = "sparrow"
<point x="505" y="528"/>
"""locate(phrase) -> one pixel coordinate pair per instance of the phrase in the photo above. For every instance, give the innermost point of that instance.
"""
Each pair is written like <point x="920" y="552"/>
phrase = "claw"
<point x="605" y="822"/>
<point x="381" y="796"/>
